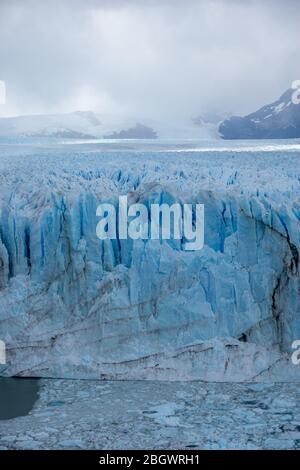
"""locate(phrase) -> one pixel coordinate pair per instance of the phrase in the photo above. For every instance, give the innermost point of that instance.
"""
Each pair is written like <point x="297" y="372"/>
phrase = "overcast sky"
<point x="160" y="59"/>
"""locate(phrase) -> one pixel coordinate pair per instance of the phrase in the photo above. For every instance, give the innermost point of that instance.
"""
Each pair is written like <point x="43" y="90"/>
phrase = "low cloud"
<point x="154" y="59"/>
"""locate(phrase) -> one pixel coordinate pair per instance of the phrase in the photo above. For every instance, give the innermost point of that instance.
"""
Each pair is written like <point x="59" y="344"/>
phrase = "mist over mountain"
<point x="90" y="125"/>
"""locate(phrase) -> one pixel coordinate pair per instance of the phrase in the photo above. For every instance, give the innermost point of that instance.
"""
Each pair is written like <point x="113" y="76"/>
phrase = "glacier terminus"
<point x="75" y="306"/>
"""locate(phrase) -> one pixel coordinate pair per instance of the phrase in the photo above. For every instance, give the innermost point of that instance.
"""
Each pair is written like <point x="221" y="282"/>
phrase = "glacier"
<point x="74" y="306"/>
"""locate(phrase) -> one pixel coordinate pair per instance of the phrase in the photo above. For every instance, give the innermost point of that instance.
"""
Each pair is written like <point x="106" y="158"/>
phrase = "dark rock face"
<point x="138" y="132"/>
<point x="62" y="134"/>
<point x="278" y="120"/>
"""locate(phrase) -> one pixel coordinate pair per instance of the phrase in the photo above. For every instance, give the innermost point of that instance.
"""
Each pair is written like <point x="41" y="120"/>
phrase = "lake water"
<point x="17" y="396"/>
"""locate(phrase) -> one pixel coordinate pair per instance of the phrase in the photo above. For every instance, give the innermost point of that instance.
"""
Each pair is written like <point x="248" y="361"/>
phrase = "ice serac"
<point x="72" y="305"/>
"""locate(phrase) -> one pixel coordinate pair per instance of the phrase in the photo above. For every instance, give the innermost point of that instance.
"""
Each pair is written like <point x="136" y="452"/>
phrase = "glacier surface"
<point x="73" y="306"/>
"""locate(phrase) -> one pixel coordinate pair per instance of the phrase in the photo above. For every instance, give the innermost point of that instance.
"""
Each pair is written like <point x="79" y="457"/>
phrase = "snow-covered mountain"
<point x="90" y="125"/>
<point x="76" y="125"/>
<point x="79" y="124"/>
<point x="278" y="120"/>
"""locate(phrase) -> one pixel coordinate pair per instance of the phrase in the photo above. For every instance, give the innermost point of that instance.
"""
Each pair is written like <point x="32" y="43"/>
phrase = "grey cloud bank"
<point x="161" y="60"/>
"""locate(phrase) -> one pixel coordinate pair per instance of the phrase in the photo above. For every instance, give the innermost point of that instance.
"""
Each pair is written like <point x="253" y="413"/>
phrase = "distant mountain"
<point x="278" y="120"/>
<point x="138" y="132"/>
<point x="79" y="125"/>
<point x="76" y="125"/>
<point x="89" y="125"/>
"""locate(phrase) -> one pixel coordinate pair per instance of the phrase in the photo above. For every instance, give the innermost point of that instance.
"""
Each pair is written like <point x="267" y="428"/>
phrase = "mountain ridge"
<point x="278" y="120"/>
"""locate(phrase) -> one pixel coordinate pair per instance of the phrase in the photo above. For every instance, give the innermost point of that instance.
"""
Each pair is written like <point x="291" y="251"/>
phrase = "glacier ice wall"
<point x="72" y="305"/>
